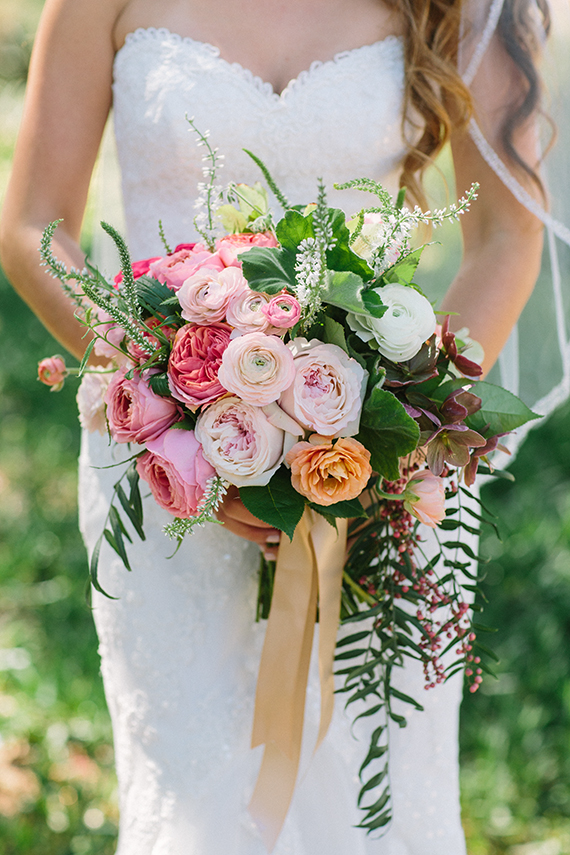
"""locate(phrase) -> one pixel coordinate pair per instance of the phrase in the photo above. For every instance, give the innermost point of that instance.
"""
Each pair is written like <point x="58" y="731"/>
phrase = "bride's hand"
<point x="235" y="516"/>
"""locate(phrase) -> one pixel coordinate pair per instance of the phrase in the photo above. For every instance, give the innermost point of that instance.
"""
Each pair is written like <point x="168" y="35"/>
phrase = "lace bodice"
<point x="315" y="127"/>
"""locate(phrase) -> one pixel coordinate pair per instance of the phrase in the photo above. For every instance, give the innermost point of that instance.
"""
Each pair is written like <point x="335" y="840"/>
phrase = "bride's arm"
<point x="67" y="103"/>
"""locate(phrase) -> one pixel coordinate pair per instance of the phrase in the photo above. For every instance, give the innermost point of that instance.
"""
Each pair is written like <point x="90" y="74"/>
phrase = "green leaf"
<point x="269" y="269"/>
<point x="344" y="289"/>
<point x="334" y="334"/>
<point x="373" y="303"/>
<point x="151" y="293"/>
<point x="403" y="271"/>
<point x="292" y="229"/>
<point x="345" y="510"/>
<point x="118" y="530"/>
<point x="130" y="512"/>
<point x="341" y="256"/>
<point x="86" y="355"/>
<point x="278" y="503"/>
<point x="159" y="384"/>
<point x="388" y="432"/>
<point x="93" y="568"/>
<point x="500" y="412"/>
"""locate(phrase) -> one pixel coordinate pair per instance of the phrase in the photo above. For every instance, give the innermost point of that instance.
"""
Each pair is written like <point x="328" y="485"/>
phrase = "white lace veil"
<point x="535" y="363"/>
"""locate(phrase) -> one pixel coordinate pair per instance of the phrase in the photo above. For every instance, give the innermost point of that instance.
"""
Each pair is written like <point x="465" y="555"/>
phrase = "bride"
<point x="313" y="87"/>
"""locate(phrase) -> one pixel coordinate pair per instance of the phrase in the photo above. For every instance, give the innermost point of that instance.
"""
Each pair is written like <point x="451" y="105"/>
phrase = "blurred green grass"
<point x="57" y="785"/>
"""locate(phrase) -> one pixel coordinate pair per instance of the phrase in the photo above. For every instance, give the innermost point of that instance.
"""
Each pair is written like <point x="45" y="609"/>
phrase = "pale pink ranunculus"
<point x="257" y="367"/>
<point x="113" y="335"/>
<point x="134" y="412"/>
<point x="175" y="469"/>
<point x="52" y="372"/>
<point x="245" y="311"/>
<point x="240" y="442"/>
<point x="139" y="269"/>
<point x="425" y="497"/>
<point x="282" y="311"/>
<point x="194" y="362"/>
<point x="327" y="392"/>
<point x="204" y="297"/>
<point x="230" y="247"/>
<point x="91" y="401"/>
<point x="173" y="270"/>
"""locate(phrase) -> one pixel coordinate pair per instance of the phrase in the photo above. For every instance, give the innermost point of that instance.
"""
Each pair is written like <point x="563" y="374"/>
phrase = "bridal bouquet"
<point x="297" y="360"/>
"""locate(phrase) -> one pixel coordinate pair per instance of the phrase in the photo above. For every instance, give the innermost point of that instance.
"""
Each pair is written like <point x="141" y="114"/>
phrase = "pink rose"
<point x="175" y="470"/>
<point x="282" y="311"/>
<point x="231" y="246"/>
<point x="257" y="367"/>
<point x="245" y="312"/>
<point x="194" y="362"/>
<point x="52" y="372"/>
<point x="134" y="412"/>
<point x="139" y="269"/>
<point x="204" y="297"/>
<point x="174" y="269"/>
<point x="424" y="497"/>
<point x="240" y="442"/>
<point x="327" y="392"/>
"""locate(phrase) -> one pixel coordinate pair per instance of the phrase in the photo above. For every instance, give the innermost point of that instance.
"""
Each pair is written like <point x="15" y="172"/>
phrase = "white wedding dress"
<point x="180" y="647"/>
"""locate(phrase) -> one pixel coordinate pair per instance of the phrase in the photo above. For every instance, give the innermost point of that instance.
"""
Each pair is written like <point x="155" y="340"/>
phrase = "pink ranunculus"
<point x="174" y="269"/>
<point x="113" y="335"/>
<point x="134" y="412"/>
<point x="139" y="269"/>
<point x="175" y="470"/>
<point x="231" y="246"/>
<point x="257" y="367"/>
<point x="425" y="497"/>
<point x="282" y="311"/>
<point x="327" y="392"/>
<point x="194" y="362"/>
<point x="52" y="372"/>
<point x="245" y="312"/>
<point x="240" y="442"/>
<point x="91" y="401"/>
<point x="204" y="296"/>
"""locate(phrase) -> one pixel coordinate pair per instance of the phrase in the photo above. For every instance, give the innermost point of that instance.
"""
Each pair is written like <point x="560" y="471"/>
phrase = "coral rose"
<point x="326" y="472"/>
<point x="257" y="367"/>
<point x="424" y="497"/>
<point x="52" y="372"/>
<point x="175" y="269"/>
<point x="134" y="412"/>
<point x="231" y="246"/>
<point x="177" y="473"/>
<point x="194" y="362"/>
<point x="204" y="297"/>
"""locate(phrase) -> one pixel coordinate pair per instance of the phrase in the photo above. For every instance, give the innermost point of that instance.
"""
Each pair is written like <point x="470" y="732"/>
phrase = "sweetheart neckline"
<point x="150" y="33"/>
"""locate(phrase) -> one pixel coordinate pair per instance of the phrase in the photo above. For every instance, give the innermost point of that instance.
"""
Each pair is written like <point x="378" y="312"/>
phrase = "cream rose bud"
<point x="204" y="297"/>
<point x="401" y="332"/>
<point x="239" y="441"/>
<point x="327" y="392"/>
<point x="257" y="367"/>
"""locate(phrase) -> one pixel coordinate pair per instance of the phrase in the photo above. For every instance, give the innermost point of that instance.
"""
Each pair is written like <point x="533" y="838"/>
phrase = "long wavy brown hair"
<point x="435" y="92"/>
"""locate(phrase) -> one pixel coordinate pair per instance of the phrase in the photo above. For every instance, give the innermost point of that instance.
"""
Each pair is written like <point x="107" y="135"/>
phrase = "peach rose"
<point x="257" y="367"/>
<point x="231" y="246"/>
<point x="175" y="269"/>
<point x="194" y="363"/>
<point x="425" y="497"/>
<point x="52" y="372"/>
<point x="204" y="297"/>
<point x="326" y="472"/>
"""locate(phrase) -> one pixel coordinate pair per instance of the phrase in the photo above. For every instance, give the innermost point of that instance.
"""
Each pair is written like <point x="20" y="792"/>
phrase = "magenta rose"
<point x="282" y="311"/>
<point x="134" y="412"/>
<point x="175" y="470"/>
<point x="194" y="362"/>
<point x="231" y="246"/>
<point x="139" y="269"/>
<point x="174" y="269"/>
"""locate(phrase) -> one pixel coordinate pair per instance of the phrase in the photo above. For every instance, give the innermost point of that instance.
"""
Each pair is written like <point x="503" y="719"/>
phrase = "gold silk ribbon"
<point x="309" y="569"/>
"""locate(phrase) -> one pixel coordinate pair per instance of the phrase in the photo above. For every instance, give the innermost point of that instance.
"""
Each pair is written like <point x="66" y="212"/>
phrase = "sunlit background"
<point x="57" y="785"/>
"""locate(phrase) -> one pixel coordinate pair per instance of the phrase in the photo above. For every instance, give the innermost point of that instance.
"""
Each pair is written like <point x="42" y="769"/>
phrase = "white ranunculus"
<point x="327" y="392"/>
<point x="401" y="332"/>
<point x="239" y="441"/>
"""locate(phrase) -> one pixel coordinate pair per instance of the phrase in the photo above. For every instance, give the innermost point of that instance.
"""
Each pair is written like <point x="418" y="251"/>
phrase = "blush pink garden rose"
<point x="204" y="296"/>
<point x="245" y="312"/>
<point x="194" y="362"/>
<point x="326" y="472"/>
<point x="425" y="497"/>
<point x="230" y="247"/>
<point x="327" y="392"/>
<point x="175" y="469"/>
<point x="240" y="442"/>
<point x="282" y="311"/>
<point x="52" y="372"/>
<point x="134" y="412"/>
<point x="173" y="270"/>
<point x="257" y="367"/>
<point x="91" y="401"/>
<point x="139" y="269"/>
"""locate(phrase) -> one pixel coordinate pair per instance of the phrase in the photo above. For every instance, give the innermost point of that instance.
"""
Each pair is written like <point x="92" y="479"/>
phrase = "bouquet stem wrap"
<point x="309" y="569"/>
